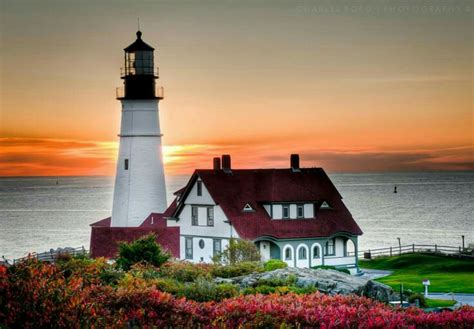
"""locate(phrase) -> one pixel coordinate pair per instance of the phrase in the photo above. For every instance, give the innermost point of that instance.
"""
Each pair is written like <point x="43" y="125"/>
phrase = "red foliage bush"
<point x="41" y="295"/>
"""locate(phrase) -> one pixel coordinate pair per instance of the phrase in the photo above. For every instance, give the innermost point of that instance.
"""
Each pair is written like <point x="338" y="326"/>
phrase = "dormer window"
<point x="248" y="208"/>
<point x="300" y="211"/>
<point x="286" y="211"/>
<point x="325" y="205"/>
<point x="199" y="188"/>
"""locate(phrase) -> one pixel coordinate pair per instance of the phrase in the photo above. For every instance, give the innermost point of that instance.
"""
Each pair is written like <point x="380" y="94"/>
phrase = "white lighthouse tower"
<point x="140" y="181"/>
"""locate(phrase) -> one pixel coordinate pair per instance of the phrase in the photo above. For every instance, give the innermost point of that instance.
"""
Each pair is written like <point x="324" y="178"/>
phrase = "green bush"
<point x="203" y="290"/>
<point x="168" y="285"/>
<point x="231" y="271"/>
<point x="111" y="276"/>
<point x="303" y="290"/>
<point x="328" y="267"/>
<point x="184" y="271"/>
<point x="144" y="249"/>
<point x="278" y="282"/>
<point x="274" y="264"/>
<point x="238" y="251"/>
<point x="421" y="300"/>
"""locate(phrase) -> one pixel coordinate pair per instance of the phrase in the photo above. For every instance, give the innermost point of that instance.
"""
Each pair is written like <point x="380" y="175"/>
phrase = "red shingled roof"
<point x="256" y="187"/>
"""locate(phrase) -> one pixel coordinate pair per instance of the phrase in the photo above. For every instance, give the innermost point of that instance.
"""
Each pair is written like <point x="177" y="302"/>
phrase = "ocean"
<point x="40" y="213"/>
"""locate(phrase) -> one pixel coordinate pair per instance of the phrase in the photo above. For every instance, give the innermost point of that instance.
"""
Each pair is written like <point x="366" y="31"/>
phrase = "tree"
<point x="238" y="251"/>
<point x="144" y="249"/>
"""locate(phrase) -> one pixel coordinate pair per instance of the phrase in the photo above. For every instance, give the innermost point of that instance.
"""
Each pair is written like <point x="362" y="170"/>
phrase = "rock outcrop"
<point x="326" y="281"/>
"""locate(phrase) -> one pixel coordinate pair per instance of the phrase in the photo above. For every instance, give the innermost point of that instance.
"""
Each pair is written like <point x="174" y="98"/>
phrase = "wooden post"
<point x="436" y="248"/>
<point x="390" y="251"/>
<point x="413" y="247"/>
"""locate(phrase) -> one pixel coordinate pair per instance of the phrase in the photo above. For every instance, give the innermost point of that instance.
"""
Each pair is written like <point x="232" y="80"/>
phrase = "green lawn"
<point x="446" y="274"/>
<point x="440" y="302"/>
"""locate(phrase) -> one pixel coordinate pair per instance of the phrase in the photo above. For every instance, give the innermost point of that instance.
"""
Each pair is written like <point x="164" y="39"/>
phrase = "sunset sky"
<point x="352" y="86"/>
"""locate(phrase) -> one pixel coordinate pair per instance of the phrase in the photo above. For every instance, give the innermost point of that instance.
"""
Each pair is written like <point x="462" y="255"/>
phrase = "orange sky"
<point x="357" y="89"/>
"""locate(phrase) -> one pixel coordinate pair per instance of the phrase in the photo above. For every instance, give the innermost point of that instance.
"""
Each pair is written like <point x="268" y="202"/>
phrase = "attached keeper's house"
<point x="293" y="214"/>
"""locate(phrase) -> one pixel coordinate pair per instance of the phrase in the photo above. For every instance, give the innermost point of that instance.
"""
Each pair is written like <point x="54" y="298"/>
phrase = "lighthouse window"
<point x="199" y="188"/>
<point x="125" y="165"/>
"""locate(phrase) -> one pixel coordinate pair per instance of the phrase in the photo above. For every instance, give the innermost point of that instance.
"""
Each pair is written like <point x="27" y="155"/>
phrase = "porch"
<point x="339" y="250"/>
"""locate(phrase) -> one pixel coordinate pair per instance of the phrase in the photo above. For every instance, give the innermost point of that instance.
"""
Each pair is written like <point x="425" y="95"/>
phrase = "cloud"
<point x="53" y="157"/>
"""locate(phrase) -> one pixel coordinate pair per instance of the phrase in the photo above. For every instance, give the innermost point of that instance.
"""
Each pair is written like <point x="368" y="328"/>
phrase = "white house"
<point x="294" y="214"/>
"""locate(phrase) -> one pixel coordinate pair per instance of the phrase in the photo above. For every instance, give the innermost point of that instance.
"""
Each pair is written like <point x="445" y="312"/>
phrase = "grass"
<point x="446" y="274"/>
<point x="440" y="302"/>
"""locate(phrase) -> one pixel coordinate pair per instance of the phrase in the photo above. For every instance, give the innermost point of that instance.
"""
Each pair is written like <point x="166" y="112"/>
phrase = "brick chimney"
<point x="226" y="166"/>
<point x="217" y="163"/>
<point x="295" y="162"/>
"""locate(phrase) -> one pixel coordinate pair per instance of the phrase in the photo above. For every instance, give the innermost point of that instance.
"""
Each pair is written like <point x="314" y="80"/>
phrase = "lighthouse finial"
<point x="139" y="33"/>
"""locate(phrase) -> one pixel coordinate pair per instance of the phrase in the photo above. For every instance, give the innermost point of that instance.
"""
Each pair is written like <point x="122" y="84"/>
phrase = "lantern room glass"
<point x="139" y="62"/>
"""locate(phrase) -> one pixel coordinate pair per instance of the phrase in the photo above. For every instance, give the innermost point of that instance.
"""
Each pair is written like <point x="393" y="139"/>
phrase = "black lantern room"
<point x="139" y="73"/>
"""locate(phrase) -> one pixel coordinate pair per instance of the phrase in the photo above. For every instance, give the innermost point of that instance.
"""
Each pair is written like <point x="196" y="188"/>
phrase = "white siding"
<point x="221" y="229"/>
<point x="193" y="198"/>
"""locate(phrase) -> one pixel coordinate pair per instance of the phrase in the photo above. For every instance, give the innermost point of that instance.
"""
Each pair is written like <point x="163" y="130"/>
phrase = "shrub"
<point x="185" y="271"/>
<point x="111" y="276"/>
<point x="421" y="300"/>
<point x="274" y="264"/>
<point x="144" y="249"/>
<point x="231" y="271"/>
<point x="37" y="295"/>
<point x="238" y="251"/>
<point x="277" y="282"/>
<point x="204" y="291"/>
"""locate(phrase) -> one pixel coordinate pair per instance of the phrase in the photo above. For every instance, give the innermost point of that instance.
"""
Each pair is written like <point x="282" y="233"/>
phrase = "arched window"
<point x="288" y="254"/>
<point x="316" y="252"/>
<point x="302" y="253"/>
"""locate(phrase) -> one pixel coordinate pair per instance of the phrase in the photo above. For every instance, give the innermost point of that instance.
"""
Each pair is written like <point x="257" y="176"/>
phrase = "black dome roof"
<point x="139" y="44"/>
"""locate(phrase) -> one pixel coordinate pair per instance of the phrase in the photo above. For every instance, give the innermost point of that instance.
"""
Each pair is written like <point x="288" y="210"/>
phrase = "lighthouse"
<point x="140" y="181"/>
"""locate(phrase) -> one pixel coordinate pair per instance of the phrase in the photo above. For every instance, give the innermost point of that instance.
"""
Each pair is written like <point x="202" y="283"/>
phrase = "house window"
<point x="210" y="216"/>
<point x="189" y="248"/>
<point x="199" y="188"/>
<point x="125" y="164"/>
<point x="217" y="246"/>
<point x="302" y="253"/>
<point x="288" y="254"/>
<point x="194" y="216"/>
<point x="201" y="244"/>
<point x="329" y="248"/>
<point x="315" y="252"/>
<point x="300" y="211"/>
<point x="286" y="211"/>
